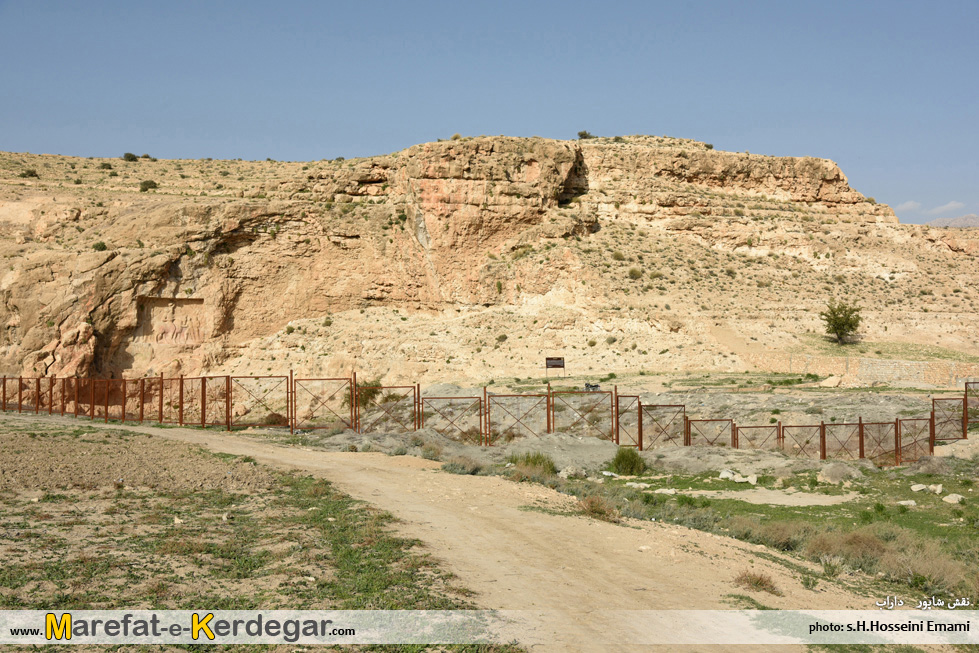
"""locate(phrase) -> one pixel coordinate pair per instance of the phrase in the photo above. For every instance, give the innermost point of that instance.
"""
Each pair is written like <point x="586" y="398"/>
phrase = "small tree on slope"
<point x="842" y="320"/>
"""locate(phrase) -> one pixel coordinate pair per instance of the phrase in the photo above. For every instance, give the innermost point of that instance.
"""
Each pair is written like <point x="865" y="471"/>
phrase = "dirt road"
<point x="579" y="573"/>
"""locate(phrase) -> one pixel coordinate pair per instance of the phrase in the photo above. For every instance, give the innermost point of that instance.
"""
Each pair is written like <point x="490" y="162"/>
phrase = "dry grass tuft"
<point x="756" y="582"/>
<point x="598" y="507"/>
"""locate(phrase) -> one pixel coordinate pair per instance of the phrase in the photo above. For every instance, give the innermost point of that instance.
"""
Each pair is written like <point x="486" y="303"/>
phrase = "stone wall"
<point x="865" y="371"/>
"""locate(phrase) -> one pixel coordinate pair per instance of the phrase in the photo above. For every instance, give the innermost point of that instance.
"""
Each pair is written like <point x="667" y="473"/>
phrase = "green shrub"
<point x="462" y="465"/>
<point x="628" y="461"/>
<point x="584" y="135"/>
<point x="536" y="461"/>
<point x="635" y="273"/>
<point x="105" y="166"/>
<point x="129" y="156"/>
<point x="99" y="246"/>
<point x="30" y="172"/>
<point x="618" y="256"/>
<point x="147" y="185"/>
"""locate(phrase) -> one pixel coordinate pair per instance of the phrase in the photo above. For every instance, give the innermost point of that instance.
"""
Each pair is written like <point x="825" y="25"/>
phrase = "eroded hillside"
<point x="463" y="259"/>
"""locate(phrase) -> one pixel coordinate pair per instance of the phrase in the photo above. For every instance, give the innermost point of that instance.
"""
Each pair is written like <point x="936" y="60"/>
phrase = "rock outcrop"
<point x="415" y="263"/>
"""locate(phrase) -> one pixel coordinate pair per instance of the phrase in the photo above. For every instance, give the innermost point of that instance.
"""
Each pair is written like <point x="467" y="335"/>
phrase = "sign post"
<point x="554" y="363"/>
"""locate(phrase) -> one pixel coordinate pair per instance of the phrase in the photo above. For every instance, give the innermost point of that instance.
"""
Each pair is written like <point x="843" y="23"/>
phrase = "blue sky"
<point x="887" y="89"/>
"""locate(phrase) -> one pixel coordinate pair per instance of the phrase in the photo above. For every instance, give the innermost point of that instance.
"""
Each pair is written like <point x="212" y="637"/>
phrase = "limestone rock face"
<point x="413" y="264"/>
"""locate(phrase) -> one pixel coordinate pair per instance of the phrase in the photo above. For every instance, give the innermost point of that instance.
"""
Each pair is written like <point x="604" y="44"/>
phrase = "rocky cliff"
<point x="463" y="258"/>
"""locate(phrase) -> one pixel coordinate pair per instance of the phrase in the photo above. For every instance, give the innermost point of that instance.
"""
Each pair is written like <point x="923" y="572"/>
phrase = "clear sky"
<point x="889" y="90"/>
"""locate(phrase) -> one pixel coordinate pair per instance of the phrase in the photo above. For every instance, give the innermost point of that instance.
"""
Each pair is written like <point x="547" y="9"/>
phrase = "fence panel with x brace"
<point x="950" y="418"/>
<point x="915" y="439"/>
<point x="386" y="409"/>
<point x="664" y="424"/>
<point x="582" y="413"/>
<point x="843" y="440"/>
<point x="628" y="421"/>
<point x="259" y="401"/>
<point x="880" y="442"/>
<point x="758" y="437"/>
<point x="801" y="441"/>
<point x="511" y="416"/>
<point x="711" y="432"/>
<point x="459" y="418"/>
<point x="971" y="407"/>
<point x="323" y="404"/>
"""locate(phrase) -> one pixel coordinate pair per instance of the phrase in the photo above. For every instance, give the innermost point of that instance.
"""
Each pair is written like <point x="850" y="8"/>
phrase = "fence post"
<point x="161" y="397"/>
<point x="734" y="435"/>
<point x="822" y="440"/>
<point x="142" y="399"/>
<point x="20" y="394"/>
<point x="548" y="407"/>
<point x="290" y="399"/>
<point x="489" y="419"/>
<point x="686" y="430"/>
<point x="965" y="412"/>
<point x="779" y="436"/>
<point x="615" y="412"/>
<point x="5" y="394"/>
<point x="639" y="408"/>
<point x="37" y="395"/>
<point x="860" y="435"/>
<point x="180" y="402"/>
<point x="51" y="395"/>
<point x="76" y="384"/>
<point x="484" y="410"/>
<point x="353" y="403"/>
<point x="897" y="441"/>
<point x="227" y="401"/>
<point x="931" y="434"/>
<point x="64" y="388"/>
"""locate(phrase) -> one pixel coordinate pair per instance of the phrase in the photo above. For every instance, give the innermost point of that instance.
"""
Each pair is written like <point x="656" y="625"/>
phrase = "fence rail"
<point x="308" y="404"/>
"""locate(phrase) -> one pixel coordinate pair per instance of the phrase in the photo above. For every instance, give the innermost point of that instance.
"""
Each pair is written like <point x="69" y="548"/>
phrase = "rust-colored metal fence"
<point x="914" y="439"/>
<point x="758" y="437"/>
<point x="259" y="401"/>
<point x="710" y="432"/>
<point x="842" y="440"/>
<point x="971" y="408"/>
<point x="582" y="413"/>
<point x="386" y="409"/>
<point x="950" y="418"/>
<point x="628" y="421"/>
<point x="513" y="416"/>
<point x="323" y="404"/>
<point x="802" y="441"/>
<point x="667" y="424"/>
<point x="340" y="403"/>
<point x="459" y="418"/>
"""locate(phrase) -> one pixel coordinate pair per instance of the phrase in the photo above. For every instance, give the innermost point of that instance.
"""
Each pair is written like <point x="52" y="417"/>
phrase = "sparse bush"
<point x="399" y="451"/>
<point x="129" y="156"/>
<point x="432" y="452"/>
<point x="635" y="273"/>
<point x="462" y="465"/>
<point x="501" y="338"/>
<point x="30" y="172"/>
<point x="100" y="246"/>
<point x="584" y="135"/>
<point x="618" y="256"/>
<point x="535" y="462"/>
<point x="146" y="185"/>
<point x="105" y="166"/>
<point x="598" y="507"/>
<point x="756" y="581"/>
<point x="290" y="329"/>
<point x="628" y="461"/>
